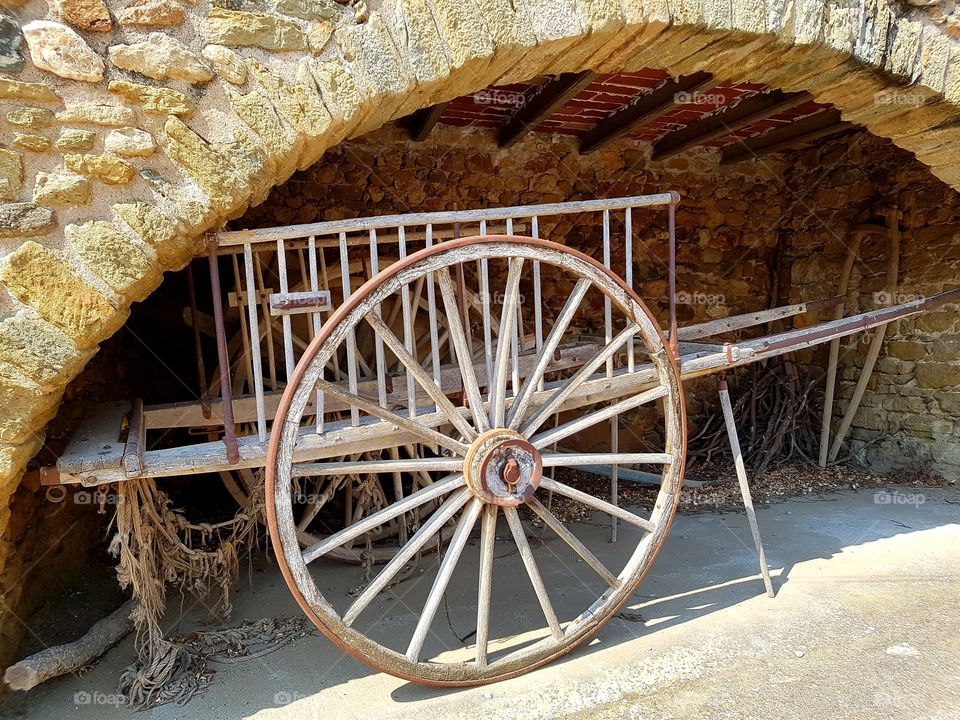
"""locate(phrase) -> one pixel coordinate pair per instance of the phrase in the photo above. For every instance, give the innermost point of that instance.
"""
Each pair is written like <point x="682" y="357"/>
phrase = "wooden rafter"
<point x="744" y="114"/>
<point x="643" y="109"/>
<point x="823" y="124"/>
<point x="553" y="95"/>
<point x="423" y="120"/>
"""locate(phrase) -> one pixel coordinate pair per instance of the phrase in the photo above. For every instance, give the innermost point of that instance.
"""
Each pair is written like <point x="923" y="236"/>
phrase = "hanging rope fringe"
<point x="157" y="548"/>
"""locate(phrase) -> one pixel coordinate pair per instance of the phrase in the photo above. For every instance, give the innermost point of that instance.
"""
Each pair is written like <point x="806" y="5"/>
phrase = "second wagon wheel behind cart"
<point x="497" y="446"/>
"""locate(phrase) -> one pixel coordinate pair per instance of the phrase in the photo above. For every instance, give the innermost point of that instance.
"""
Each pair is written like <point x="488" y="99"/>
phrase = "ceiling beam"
<point x="643" y="109"/>
<point x="423" y="120"/>
<point x="745" y="113"/>
<point x="823" y="124"/>
<point x="552" y="96"/>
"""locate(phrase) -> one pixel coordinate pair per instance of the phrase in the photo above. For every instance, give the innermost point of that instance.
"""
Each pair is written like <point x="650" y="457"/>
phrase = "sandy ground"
<point x="865" y="625"/>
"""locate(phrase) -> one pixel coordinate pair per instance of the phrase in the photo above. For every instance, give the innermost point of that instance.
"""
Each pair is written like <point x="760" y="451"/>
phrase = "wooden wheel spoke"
<point x="576" y="380"/>
<point x="409" y="424"/>
<point x="410" y="502"/>
<point x="520" y="538"/>
<point x="508" y="316"/>
<point x="554" y="523"/>
<point x="572" y="427"/>
<point x="413" y="546"/>
<point x="488" y="537"/>
<point x="421" y="376"/>
<point x="464" y="358"/>
<point x="598" y="504"/>
<point x="585" y="459"/>
<point x="519" y="408"/>
<point x="447" y="566"/>
<point x="376" y="466"/>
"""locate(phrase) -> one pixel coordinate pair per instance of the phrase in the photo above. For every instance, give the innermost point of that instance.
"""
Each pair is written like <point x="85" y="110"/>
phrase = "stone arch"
<point x="178" y="131"/>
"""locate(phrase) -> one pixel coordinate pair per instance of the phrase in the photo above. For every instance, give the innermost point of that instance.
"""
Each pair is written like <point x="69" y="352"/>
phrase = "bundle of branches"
<point x="159" y="548"/>
<point x="775" y="409"/>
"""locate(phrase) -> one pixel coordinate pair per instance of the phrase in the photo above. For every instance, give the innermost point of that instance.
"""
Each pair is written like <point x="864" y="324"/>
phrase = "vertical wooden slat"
<point x="351" y="338"/>
<point x="409" y="338"/>
<point x="485" y="309"/>
<point x="255" y="342"/>
<point x="628" y="248"/>
<point x="285" y="320"/>
<point x="608" y="337"/>
<point x="261" y="287"/>
<point x="515" y="334"/>
<point x="432" y="316"/>
<point x="378" y="341"/>
<point x="316" y="321"/>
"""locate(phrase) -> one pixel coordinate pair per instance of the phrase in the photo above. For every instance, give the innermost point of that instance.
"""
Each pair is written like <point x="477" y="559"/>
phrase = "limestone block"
<point x="97" y="113"/>
<point x="226" y="63"/>
<point x="59" y="50"/>
<point x="40" y="279"/>
<point x="246" y="29"/>
<point x="88" y="15"/>
<point x="23" y="219"/>
<point x="74" y="139"/>
<point x="61" y="188"/>
<point x="11" y="174"/>
<point x="154" y="100"/>
<point x="111" y="170"/>
<point x="152" y="13"/>
<point x="111" y="255"/>
<point x="129" y="142"/>
<point x="161" y="57"/>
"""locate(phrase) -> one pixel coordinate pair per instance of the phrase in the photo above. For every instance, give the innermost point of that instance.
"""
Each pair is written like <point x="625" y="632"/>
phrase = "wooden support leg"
<point x="744" y="486"/>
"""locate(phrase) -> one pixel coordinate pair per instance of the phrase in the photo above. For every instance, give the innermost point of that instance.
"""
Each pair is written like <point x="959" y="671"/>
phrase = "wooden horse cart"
<point x="415" y="386"/>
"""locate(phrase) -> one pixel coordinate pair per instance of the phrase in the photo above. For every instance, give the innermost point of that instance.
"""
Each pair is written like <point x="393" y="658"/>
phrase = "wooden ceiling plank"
<point x="742" y="115"/>
<point x="423" y="120"/>
<point x="814" y="127"/>
<point x="552" y="96"/>
<point x="643" y="109"/>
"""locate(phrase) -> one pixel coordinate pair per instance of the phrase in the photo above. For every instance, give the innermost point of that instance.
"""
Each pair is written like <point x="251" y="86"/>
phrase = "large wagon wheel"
<point x="496" y="451"/>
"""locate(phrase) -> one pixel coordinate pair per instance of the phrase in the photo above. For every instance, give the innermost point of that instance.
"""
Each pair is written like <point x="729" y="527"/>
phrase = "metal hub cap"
<point x="502" y="468"/>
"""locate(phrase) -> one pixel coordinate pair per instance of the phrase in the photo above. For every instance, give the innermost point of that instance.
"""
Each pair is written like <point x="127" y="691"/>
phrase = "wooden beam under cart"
<point x="342" y="438"/>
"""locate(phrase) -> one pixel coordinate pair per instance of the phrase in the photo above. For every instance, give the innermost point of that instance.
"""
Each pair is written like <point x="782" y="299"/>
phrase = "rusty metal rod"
<point x="226" y="391"/>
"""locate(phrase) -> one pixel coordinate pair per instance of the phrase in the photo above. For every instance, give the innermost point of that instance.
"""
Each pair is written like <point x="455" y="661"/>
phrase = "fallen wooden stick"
<point x="62" y="659"/>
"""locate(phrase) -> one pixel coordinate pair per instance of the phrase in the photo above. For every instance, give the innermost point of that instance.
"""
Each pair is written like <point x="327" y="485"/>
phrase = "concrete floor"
<point x="865" y="625"/>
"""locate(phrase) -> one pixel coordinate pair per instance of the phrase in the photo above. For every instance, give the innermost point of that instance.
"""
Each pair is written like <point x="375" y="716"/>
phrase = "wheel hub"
<point x="503" y="468"/>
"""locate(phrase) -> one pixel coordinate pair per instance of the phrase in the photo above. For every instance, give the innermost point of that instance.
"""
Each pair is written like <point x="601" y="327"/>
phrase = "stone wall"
<point x="910" y="415"/>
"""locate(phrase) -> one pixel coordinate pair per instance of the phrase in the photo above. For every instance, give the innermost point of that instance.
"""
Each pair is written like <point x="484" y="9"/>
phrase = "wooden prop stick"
<point x="744" y="485"/>
<point x="63" y="659"/>
<point x="893" y="273"/>
<point x="835" y="344"/>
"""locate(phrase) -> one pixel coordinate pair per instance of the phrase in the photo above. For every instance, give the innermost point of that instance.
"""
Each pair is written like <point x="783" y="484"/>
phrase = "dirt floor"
<point x="864" y="625"/>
